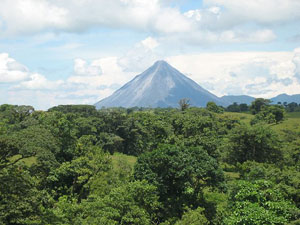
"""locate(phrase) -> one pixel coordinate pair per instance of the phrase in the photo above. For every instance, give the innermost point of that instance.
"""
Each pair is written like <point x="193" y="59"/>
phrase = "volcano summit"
<point x="161" y="85"/>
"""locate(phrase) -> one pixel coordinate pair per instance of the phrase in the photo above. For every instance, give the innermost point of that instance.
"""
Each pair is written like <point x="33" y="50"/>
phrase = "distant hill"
<point x="286" y="98"/>
<point x="248" y="99"/>
<point x="161" y="85"/>
<point x="238" y="99"/>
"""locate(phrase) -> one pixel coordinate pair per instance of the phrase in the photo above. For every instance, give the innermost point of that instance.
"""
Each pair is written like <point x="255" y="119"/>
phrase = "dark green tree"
<point x="74" y="177"/>
<point x="211" y="106"/>
<point x="180" y="174"/>
<point x="20" y="200"/>
<point x="233" y="108"/>
<point x="244" y="107"/>
<point x="270" y="114"/>
<point x="258" y="143"/>
<point x="131" y="203"/>
<point x="258" y="104"/>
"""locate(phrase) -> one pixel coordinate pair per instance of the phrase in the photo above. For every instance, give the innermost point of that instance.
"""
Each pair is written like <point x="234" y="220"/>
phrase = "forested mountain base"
<point x="79" y="165"/>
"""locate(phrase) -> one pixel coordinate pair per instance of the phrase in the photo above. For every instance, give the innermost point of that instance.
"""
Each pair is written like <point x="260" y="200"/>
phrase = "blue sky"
<point x="78" y="52"/>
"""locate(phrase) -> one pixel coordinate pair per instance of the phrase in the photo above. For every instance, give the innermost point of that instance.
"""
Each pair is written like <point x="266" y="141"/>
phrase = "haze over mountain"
<point x="286" y="98"/>
<point x="238" y="99"/>
<point x="161" y="85"/>
<point x="248" y="99"/>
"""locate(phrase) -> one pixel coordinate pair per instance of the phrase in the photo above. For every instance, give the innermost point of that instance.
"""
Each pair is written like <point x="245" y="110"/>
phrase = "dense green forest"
<point x="74" y="164"/>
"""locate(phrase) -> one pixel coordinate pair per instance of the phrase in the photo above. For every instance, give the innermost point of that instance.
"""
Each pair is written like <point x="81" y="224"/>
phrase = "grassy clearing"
<point x="231" y="175"/>
<point x="293" y="115"/>
<point x="28" y="161"/>
<point x="244" y="117"/>
<point x="291" y="123"/>
<point x="119" y="157"/>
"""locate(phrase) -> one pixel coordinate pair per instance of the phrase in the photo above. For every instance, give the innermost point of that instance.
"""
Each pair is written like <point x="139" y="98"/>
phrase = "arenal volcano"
<point x="161" y="85"/>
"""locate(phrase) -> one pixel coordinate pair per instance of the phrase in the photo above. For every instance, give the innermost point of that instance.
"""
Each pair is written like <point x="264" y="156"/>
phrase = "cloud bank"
<point x="215" y="22"/>
<point x="260" y="74"/>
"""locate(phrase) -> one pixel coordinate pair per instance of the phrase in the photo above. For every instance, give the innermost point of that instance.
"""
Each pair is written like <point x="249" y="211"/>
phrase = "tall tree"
<point x="180" y="174"/>
<point x="258" y="104"/>
<point x="258" y="143"/>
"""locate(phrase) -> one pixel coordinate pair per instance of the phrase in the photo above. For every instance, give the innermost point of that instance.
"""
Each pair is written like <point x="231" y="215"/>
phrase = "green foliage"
<point x="20" y="201"/>
<point x="132" y="203"/>
<point x="120" y="173"/>
<point x="237" y="107"/>
<point x="77" y="165"/>
<point x="180" y="174"/>
<point x="211" y="106"/>
<point x="258" y="104"/>
<point x="259" y="202"/>
<point x="269" y="114"/>
<point x="110" y="142"/>
<point x="83" y="110"/>
<point x="287" y="179"/>
<point x="142" y="131"/>
<point x="13" y="114"/>
<point x="198" y="127"/>
<point x="193" y="217"/>
<point x="216" y="205"/>
<point x="292" y="107"/>
<point x="66" y="211"/>
<point x="74" y="177"/>
<point x="257" y="143"/>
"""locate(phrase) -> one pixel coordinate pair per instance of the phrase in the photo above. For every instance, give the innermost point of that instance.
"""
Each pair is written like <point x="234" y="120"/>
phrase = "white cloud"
<point x="82" y="69"/>
<point x="38" y="82"/>
<point x="207" y="38"/>
<point x="264" y="12"/>
<point x="19" y="75"/>
<point x="149" y="43"/>
<point x="141" y="56"/>
<point x="111" y="73"/>
<point x="31" y="16"/>
<point x="296" y="61"/>
<point x="11" y="70"/>
<point x="219" y="21"/>
<point x="89" y="87"/>
<point x="26" y="16"/>
<point x="260" y="74"/>
<point x="258" y="36"/>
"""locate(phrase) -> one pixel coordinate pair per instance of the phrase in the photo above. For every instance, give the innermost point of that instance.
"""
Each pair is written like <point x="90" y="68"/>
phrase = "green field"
<point x="291" y="121"/>
<point x="27" y="161"/>
<point x="119" y="157"/>
<point x="244" y="117"/>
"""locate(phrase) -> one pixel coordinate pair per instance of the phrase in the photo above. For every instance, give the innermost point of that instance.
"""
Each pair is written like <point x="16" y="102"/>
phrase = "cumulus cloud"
<point x="89" y="87"/>
<point x="261" y="74"/>
<point x="30" y="16"/>
<point x="141" y="56"/>
<point x="20" y="77"/>
<point x="207" y="37"/>
<point x="26" y="16"/>
<point x="217" y="21"/>
<point x="38" y="82"/>
<point x="11" y="70"/>
<point x="103" y="72"/>
<point x="88" y="84"/>
<point x="81" y="68"/>
<point x="149" y="43"/>
<point x="264" y="12"/>
<point x="296" y="61"/>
